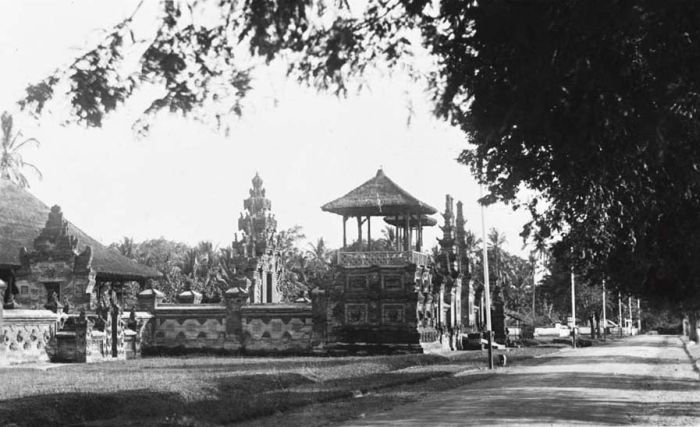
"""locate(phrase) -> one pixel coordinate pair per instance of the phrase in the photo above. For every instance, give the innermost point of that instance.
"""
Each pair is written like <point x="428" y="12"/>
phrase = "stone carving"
<point x="55" y="265"/>
<point x="255" y="256"/>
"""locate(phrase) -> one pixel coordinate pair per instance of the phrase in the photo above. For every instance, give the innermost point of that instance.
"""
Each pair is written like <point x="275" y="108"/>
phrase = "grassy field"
<point x="208" y="390"/>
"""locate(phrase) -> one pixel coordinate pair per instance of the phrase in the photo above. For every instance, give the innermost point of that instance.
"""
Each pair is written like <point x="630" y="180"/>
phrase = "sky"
<point x="187" y="182"/>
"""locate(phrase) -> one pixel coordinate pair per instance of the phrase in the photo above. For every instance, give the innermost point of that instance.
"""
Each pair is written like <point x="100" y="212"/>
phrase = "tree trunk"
<point x="590" y="322"/>
<point x="693" y="326"/>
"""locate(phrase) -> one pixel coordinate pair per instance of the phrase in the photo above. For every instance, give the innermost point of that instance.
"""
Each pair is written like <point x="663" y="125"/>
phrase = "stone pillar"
<point x="3" y="287"/>
<point x="319" y="318"/>
<point x="149" y="299"/>
<point x="498" y="319"/>
<point x="81" y="338"/>
<point x="234" y="299"/>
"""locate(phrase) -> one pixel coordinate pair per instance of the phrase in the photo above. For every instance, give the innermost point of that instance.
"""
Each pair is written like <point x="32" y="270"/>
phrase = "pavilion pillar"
<point x="419" y="231"/>
<point x="397" y="242"/>
<point x="345" y="239"/>
<point x="359" y="233"/>
<point x="407" y="235"/>
<point x="369" y="234"/>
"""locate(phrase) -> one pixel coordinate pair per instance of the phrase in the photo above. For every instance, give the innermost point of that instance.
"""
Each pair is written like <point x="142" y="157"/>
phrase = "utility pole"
<point x="619" y="312"/>
<point x="639" y="317"/>
<point x="605" y="320"/>
<point x="534" y="286"/>
<point x="573" y="310"/>
<point x="629" y="304"/>
<point x="487" y="290"/>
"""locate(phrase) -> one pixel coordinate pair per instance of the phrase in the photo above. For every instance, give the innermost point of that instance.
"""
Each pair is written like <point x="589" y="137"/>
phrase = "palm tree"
<point x="126" y="247"/>
<point x="495" y="243"/>
<point x="11" y="161"/>
<point x="320" y="251"/>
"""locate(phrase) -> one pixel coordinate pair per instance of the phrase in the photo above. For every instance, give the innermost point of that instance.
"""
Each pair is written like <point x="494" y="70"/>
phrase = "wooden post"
<point x="420" y="234"/>
<point x="605" y="319"/>
<point x="639" y="317"/>
<point x="619" y="312"/>
<point x="629" y="305"/>
<point x="345" y="239"/>
<point x="397" y="235"/>
<point x="359" y="233"/>
<point x="369" y="234"/>
<point x="573" y="310"/>
<point x="406" y="237"/>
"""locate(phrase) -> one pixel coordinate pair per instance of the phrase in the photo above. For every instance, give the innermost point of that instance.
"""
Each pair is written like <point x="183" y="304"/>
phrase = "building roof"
<point x="23" y="216"/>
<point x="400" y="221"/>
<point x="380" y="196"/>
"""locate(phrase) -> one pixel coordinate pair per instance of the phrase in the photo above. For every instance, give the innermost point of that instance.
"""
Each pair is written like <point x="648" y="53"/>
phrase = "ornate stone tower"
<point x="469" y="308"/>
<point x="257" y="258"/>
<point x="448" y="275"/>
<point x="258" y="225"/>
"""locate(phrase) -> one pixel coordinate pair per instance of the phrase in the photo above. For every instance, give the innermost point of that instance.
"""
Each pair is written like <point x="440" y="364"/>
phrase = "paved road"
<point x="639" y="380"/>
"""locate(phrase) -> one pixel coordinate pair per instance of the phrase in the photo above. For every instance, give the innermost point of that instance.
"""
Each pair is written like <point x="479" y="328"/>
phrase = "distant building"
<point x="41" y="254"/>
<point x="256" y="256"/>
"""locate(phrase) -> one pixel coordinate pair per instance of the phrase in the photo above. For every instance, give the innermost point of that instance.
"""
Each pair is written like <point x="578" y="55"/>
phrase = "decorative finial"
<point x="257" y="181"/>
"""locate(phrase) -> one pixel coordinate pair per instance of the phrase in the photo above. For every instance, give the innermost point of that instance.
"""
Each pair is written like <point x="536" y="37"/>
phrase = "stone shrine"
<point x="256" y="258"/>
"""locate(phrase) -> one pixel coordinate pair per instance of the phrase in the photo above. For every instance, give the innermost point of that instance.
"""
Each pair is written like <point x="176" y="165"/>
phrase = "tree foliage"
<point x="211" y="271"/>
<point x="200" y="55"/>
<point x="511" y="274"/>
<point x="12" y="164"/>
<point x="591" y="104"/>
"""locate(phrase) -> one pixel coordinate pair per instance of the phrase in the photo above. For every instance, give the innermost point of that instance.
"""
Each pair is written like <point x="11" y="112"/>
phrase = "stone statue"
<point x="53" y="304"/>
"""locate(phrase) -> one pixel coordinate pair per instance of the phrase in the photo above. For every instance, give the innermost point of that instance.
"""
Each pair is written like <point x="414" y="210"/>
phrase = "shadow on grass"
<point x="227" y="400"/>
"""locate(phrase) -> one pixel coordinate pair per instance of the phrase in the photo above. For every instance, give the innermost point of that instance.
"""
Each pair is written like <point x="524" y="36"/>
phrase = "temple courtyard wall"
<point x="231" y="328"/>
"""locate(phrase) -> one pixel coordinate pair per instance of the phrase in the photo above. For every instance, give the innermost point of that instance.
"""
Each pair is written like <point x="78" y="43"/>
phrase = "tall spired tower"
<point x="258" y="225"/>
<point x="257" y="258"/>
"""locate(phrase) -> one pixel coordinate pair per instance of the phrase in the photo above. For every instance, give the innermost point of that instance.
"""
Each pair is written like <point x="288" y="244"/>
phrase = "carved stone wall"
<point x="55" y="265"/>
<point x="389" y="308"/>
<point x="277" y="328"/>
<point x="27" y="336"/>
<point x="265" y="328"/>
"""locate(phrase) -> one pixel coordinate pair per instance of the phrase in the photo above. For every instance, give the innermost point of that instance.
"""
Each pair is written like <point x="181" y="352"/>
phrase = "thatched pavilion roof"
<point x="380" y="196"/>
<point x="400" y="221"/>
<point x="23" y="216"/>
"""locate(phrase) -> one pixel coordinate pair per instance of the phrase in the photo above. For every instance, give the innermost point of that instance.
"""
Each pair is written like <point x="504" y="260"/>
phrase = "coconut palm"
<point x="12" y="164"/>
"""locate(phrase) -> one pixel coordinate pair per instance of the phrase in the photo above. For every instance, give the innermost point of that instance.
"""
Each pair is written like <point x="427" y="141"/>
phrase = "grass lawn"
<point x="211" y="390"/>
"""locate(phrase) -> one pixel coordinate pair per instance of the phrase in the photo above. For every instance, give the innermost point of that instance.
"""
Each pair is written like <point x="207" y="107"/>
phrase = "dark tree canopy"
<point x="592" y="104"/>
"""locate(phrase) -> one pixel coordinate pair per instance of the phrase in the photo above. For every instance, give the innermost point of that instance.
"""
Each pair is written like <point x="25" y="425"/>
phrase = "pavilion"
<point x="385" y="300"/>
<point x="380" y="196"/>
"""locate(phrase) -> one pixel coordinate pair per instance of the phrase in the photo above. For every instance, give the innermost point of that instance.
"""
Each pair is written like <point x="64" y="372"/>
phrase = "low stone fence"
<point x="188" y="326"/>
<point x="276" y="328"/>
<point x="232" y="327"/>
<point x="27" y="335"/>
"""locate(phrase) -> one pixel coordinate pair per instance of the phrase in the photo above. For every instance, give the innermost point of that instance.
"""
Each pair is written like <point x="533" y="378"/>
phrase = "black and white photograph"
<point x="326" y="213"/>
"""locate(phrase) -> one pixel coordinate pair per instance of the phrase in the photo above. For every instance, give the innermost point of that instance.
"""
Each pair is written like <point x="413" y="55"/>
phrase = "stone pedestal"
<point x="319" y="306"/>
<point x="189" y="297"/>
<point x="149" y="299"/>
<point x="234" y="299"/>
